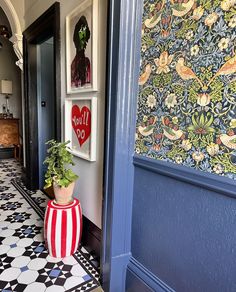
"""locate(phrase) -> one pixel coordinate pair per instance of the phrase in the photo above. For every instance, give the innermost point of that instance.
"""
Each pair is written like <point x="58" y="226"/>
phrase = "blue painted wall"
<point x="137" y="285"/>
<point x="183" y="234"/>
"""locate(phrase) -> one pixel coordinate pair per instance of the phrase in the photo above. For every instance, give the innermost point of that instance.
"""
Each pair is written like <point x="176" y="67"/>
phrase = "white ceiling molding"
<point x="17" y="37"/>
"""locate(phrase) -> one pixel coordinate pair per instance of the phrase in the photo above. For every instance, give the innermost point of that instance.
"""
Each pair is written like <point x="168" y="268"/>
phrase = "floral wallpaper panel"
<point x="187" y="86"/>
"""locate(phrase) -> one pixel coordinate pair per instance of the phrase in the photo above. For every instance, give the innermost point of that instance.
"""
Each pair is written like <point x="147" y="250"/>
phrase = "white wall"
<point x="19" y="6"/>
<point x="89" y="186"/>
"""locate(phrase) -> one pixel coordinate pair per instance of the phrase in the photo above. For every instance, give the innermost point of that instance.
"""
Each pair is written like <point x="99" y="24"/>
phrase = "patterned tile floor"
<point x="24" y="262"/>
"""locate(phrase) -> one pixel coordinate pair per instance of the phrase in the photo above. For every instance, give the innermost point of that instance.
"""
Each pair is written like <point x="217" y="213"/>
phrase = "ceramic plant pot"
<point x="63" y="195"/>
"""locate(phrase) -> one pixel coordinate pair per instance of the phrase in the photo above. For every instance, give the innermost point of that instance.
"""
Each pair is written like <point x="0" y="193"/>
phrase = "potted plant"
<point x="58" y="174"/>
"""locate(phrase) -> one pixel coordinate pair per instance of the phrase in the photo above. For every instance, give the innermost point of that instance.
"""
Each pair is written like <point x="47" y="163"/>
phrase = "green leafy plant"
<point x="59" y="157"/>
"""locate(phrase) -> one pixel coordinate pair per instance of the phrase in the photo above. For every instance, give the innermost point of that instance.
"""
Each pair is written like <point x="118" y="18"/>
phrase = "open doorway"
<point x="42" y="91"/>
<point x="10" y="94"/>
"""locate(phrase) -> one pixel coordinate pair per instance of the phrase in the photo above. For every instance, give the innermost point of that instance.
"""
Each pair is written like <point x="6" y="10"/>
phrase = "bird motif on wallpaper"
<point x="169" y="132"/>
<point x="185" y="72"/>
<point x="149" y="129"/>
<point x="178" y="8"/>
<point x="146" y="131"/>
<point x="145" y="75"/>
<point x="181" y="8"/>
<point x="155" y="15"/>
<point x="229" y="141"/>
<point x="228" y="68"/>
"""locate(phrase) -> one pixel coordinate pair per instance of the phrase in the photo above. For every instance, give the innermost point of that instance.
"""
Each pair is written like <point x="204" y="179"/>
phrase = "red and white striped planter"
<point x="62" y="228"/>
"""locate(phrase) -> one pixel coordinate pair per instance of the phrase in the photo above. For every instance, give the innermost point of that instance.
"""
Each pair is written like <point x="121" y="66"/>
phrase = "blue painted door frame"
<point x="124" y="27"/>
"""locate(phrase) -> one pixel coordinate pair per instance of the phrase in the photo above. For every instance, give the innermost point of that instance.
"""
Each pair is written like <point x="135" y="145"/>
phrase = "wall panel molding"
<point x="146" y="276"/>
<point x="222" y="185"/>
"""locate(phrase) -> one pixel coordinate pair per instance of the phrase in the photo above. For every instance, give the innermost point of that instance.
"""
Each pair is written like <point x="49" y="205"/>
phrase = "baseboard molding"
<point x="143" y="274"/>
<point x="91" y="237"/>
<point x="6" y="152"/>
<point x="23" y="176"/>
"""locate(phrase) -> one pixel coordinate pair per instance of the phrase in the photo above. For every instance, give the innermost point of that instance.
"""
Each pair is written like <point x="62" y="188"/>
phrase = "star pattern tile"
<point x="18" y="217"/>
<point x="25" y="264"/>
<point x="11" y="206"/>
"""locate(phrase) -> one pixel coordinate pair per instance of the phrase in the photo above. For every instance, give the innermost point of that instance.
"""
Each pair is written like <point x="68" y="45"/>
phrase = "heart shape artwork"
<point x="81" y="123"/>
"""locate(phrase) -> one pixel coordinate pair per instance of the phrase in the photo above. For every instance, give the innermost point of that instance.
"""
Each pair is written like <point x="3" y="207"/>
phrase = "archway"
<point x="17" y="37"/>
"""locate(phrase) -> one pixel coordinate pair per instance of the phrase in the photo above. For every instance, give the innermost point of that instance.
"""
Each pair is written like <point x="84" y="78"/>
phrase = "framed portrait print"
<point x="81" y="126"/>
<point x="82" y="47"/>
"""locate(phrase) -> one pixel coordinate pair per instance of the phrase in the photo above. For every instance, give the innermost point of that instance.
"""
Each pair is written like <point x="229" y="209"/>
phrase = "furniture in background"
<point x="9" y="136"/>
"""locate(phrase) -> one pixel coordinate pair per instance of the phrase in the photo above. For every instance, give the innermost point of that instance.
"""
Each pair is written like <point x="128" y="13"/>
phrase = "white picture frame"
<point x="77" y="121"/>
<point x="81" y="64"/>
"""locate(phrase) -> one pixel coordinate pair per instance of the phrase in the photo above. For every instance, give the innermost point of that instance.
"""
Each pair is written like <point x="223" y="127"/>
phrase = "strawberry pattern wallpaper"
<point x="186" y="112"/>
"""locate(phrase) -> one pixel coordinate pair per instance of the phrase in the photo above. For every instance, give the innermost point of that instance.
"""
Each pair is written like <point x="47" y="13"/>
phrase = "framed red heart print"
<point x="80" y="126"/>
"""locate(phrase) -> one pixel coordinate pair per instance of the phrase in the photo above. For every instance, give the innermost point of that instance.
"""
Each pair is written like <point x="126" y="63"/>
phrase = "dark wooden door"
<point x="45" y="27"/>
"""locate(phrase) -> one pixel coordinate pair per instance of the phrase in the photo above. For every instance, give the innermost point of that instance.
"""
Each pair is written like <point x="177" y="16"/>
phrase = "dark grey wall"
<point x="9" y="70"/>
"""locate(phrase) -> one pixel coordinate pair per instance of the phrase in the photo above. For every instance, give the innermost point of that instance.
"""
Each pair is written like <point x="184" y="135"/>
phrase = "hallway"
<point x="24" y="262"/>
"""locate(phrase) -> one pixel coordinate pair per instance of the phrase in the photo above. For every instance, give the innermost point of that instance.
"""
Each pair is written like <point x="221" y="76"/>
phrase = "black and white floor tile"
<point x="25" y="264"/>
